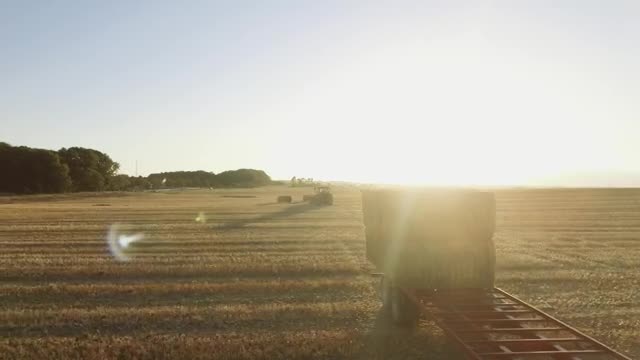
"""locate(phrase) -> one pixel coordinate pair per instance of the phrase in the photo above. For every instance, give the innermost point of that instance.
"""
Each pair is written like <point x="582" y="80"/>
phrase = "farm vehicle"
<point x="435" y="256"/>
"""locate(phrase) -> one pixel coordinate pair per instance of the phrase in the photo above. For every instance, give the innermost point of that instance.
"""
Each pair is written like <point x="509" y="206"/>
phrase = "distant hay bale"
<point x="323" y="199"/>
<point x="307" y="197"/>
<point x="431" y="238"/>
<point x="285" y="199"/>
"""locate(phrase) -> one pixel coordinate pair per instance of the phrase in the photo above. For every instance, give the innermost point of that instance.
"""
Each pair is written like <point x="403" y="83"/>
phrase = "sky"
<point x="414" y="92"/>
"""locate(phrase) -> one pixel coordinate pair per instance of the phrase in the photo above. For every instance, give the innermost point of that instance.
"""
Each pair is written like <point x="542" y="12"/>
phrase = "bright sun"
<point x="457" y="115"/>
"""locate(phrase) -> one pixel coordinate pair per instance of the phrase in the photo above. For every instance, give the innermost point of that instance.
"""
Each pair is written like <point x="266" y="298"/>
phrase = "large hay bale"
<point x="431" y="238"/>
<point x="323" y="198"/>
<point x="307" y="197"/>
<point x="284" y="199"/>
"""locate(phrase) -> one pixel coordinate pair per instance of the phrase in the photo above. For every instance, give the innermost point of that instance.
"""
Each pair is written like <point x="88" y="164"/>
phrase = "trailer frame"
<point x="491" y="324"/>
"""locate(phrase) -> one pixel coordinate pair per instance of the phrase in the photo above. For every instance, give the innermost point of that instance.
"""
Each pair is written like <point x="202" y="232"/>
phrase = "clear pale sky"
<point x="475" y="92"/>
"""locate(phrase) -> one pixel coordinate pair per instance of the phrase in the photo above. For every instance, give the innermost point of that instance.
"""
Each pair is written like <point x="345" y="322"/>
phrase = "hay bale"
<point x="307" y="197"/>
<point x="285" y="199"/>
<point x="431" y="239"/>
<point x="323" y="198"/>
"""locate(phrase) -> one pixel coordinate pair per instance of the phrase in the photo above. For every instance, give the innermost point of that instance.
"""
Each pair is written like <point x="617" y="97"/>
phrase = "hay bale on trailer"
<point x="285" y="199"/>
<point x="436" y="239"/>
<point x="307" y="197"/>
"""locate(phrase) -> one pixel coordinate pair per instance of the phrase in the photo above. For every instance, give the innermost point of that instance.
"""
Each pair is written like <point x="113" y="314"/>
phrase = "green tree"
<point x="243" y="178"/>
<point x="89" y="169"/>
<point x="25" y="170"/>
<point x="119" y="183"/>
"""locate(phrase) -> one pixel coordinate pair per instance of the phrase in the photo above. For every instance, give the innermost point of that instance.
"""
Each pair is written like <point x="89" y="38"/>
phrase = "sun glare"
<point x="458" y="114"/>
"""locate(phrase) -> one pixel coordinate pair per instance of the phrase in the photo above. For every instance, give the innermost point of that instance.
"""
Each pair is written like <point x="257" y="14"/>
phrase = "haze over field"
<point x="533" y="93"/>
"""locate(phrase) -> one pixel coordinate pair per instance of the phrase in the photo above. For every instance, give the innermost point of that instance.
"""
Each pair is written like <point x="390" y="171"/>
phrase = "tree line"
<point x="300" y="181"/>
<point x="231" y="178"/>
<point x="26" y="170"/>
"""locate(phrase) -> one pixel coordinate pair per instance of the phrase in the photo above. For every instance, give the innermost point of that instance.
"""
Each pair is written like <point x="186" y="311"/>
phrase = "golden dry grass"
<point x="261" y="280"/>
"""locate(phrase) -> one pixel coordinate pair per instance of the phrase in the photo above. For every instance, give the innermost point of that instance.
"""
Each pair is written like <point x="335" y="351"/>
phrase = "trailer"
<point x="491" y="324"/>
<point x="437" y="257"/>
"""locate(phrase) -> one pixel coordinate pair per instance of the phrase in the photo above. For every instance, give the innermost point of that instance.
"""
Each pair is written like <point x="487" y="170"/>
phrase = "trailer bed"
<point x="492" y="324"/>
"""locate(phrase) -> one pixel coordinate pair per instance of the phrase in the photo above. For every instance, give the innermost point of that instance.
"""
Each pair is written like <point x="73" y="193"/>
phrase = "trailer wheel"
<point x="397" y="306"/>
<point x="404" y="313"/>
<point x="385" y="295"/>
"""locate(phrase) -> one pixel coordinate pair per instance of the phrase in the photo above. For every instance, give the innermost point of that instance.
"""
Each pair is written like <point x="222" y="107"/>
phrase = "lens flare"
<point x="201" y="218"/>
<point x="119" y="242"/>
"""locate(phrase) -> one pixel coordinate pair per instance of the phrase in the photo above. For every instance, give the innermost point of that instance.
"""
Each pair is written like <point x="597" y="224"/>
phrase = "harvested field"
<point x="262" y="280"/>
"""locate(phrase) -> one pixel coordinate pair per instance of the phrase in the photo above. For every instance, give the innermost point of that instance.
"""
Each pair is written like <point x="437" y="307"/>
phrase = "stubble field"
<point x="252" y="279"/>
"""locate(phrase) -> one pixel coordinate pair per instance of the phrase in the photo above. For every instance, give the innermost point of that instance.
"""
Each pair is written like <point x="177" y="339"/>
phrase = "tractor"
<point x="322" y="196"/>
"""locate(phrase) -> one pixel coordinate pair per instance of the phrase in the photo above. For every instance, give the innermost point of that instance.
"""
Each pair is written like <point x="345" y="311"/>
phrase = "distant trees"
<point x="128" y="183"/>
<point x="243" y="178"/>
<point x="302" y="182"/>
<point x="231" y="178"/>
<point x="174" y="179"/>
<point x="90" y="170"/>
<point x="27" y="170"/>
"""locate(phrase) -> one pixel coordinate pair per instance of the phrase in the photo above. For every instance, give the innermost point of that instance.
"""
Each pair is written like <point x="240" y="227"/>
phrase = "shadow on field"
<point x="286" y="212"/>
<point x="273" y="203"/>
<point x="387" y="341"/>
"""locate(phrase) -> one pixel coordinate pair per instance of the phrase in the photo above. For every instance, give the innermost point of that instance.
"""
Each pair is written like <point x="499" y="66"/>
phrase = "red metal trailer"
<point x="492" y="324"/>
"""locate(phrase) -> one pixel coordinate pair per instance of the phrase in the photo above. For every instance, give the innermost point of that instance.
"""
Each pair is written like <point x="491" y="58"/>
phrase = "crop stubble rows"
<point x="263" y="280"/>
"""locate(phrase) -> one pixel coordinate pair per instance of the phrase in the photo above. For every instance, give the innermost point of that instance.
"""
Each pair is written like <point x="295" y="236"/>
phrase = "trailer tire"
<point x="385" y="295"/>
<point x="404" y="313"/>
<point x="397" y="306"/>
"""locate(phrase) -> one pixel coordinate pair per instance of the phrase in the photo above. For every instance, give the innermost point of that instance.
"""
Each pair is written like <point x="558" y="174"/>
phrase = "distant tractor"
<point x="322" y="196"/>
